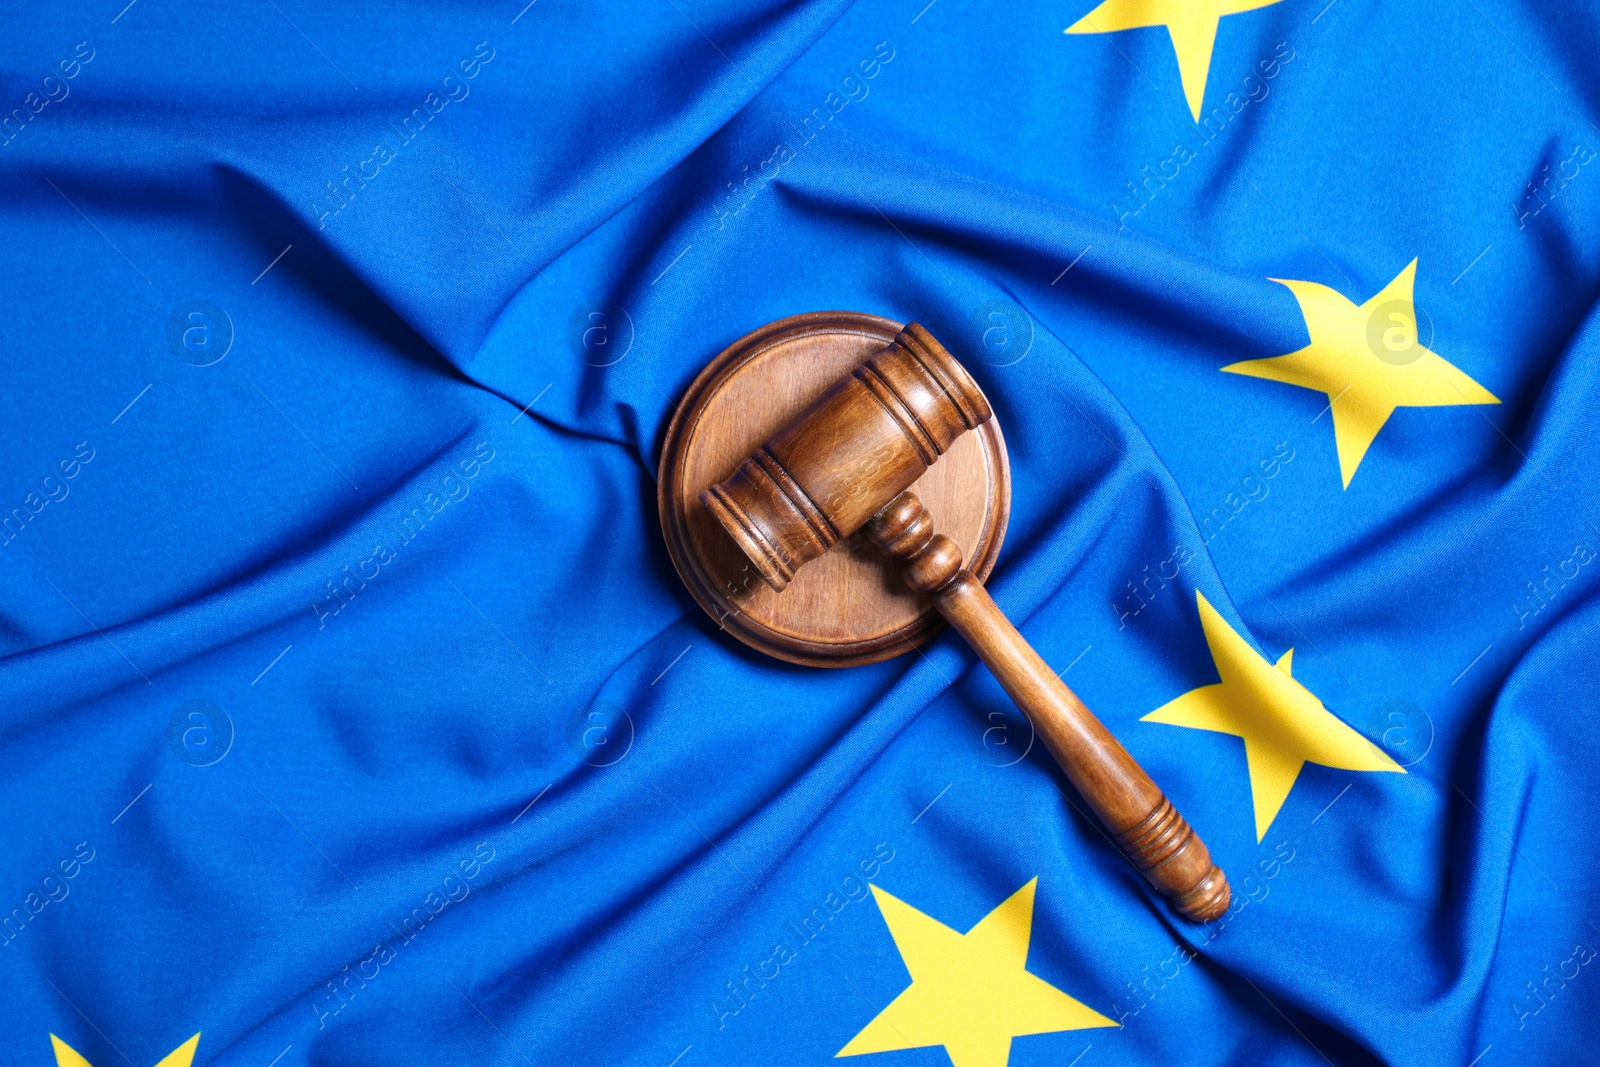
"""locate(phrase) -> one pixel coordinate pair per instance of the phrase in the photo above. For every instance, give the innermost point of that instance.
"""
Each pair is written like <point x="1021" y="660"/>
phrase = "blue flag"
<point x="353" y="712"/>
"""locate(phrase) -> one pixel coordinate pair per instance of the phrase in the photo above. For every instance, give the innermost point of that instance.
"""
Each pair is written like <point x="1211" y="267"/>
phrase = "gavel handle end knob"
<point x="1169" y="853"/>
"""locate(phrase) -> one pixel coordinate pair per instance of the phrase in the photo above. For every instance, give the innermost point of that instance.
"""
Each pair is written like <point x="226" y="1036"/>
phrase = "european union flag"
<point x="353" y="712"/>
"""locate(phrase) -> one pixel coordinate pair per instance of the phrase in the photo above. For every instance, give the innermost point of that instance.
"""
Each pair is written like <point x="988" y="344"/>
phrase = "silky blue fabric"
<point x="351" y="711"/>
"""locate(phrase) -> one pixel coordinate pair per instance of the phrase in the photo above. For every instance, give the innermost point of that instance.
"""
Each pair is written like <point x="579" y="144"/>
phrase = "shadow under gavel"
<point x="845" y="463"/>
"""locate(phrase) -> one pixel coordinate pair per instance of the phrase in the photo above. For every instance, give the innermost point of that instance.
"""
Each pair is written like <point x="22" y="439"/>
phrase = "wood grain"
<point x="848" y="606"/>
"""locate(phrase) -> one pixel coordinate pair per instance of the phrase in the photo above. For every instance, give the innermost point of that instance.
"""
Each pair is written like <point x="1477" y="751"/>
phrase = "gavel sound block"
<point x="865" y="419"/>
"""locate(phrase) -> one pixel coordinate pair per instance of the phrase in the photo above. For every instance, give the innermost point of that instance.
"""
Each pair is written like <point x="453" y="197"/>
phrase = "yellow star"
<point x="1369" y="362"/>
<point x="182" y="1056"/>
<point x="1192" y="25"/>
<point x="969" y="992"/>
<point x="1283" y="725"/>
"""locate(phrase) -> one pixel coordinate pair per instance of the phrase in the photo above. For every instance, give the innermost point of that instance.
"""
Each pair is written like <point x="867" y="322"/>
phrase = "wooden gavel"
<point x="845" y="463"/>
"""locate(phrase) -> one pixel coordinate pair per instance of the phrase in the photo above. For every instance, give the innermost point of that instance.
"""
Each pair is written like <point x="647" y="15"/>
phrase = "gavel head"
<point x="836" y="464"/>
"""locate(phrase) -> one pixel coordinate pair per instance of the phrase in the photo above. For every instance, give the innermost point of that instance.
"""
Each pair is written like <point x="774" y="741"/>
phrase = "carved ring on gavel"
<point x="814" y="429"/>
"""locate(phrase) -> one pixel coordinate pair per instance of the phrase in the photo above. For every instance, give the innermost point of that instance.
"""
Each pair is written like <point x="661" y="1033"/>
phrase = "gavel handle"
<point x="1141" y="819"/>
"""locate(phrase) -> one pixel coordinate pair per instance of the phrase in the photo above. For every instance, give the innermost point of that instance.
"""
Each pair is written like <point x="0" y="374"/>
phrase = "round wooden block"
<point x="851" y="605"/>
